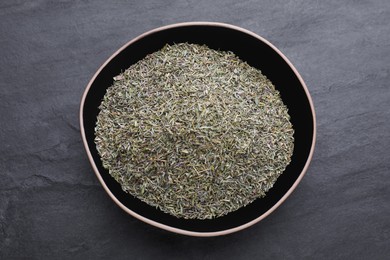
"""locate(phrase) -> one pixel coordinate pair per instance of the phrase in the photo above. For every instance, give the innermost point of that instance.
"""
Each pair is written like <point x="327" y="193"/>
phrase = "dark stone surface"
<point x="52" y="205"/>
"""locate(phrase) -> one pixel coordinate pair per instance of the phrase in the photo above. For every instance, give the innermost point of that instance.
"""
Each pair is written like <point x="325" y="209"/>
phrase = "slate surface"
<point x="52" y="205"/>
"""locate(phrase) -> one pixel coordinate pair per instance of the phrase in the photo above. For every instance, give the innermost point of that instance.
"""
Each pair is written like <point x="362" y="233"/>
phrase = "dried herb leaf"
<point x="196" y="132"/>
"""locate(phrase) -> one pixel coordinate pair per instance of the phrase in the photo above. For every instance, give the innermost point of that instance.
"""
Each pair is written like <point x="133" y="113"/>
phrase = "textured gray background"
<point x="52" y="205"/>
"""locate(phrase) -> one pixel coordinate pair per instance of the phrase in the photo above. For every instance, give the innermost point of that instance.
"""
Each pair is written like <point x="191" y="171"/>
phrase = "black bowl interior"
<point x="249" y="49"/>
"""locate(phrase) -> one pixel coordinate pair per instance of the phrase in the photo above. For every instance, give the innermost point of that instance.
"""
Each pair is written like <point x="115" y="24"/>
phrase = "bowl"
<point x="257" y="52"/>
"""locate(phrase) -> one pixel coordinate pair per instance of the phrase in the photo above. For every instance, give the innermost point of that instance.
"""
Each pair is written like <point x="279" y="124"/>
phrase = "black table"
<point x="52" y="205"/>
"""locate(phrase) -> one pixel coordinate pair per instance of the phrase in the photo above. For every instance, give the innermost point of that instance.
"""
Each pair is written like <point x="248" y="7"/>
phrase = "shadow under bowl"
<point x="257" y="52"/>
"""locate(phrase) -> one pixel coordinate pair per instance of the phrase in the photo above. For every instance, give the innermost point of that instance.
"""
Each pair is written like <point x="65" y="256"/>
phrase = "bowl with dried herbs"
<point x="198" y="128"/>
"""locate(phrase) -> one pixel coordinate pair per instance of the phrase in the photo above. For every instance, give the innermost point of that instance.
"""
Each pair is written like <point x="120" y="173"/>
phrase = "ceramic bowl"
<point x="251" y="48"/>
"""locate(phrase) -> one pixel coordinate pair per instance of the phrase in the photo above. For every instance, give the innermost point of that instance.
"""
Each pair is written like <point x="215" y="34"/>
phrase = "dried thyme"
<point x="196" y="132"/>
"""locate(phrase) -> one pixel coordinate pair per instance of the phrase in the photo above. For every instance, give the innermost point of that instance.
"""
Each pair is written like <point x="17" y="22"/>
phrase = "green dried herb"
<point x="196" y="132"/>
